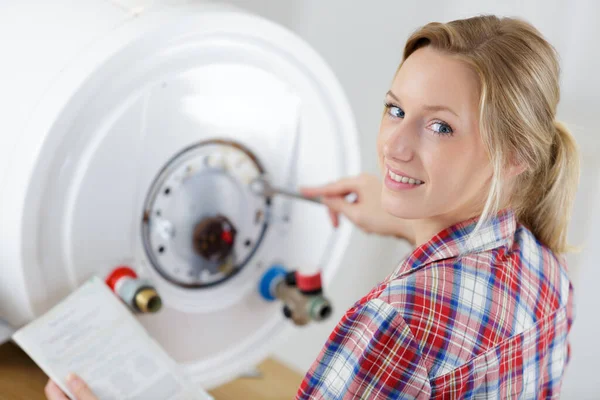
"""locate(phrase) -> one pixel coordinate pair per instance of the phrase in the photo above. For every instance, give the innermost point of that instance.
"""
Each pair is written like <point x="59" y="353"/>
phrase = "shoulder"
<point x="447" y="306"/>
<point x="370" y="353"/>
<point x="460" y="307"/>
<point x="542" y="275"/>
<point x="523" y="273"/>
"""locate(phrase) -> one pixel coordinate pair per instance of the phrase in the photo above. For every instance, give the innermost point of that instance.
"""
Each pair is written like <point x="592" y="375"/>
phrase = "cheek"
<point x="381" y="140"/>
<point x="457" y="173"/>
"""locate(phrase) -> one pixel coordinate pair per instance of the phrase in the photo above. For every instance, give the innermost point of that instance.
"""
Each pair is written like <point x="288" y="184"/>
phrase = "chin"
<point x="398" y="207"/>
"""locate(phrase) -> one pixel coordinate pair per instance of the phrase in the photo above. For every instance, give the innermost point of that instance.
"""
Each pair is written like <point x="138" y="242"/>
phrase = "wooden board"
<point x="21" y="379"/>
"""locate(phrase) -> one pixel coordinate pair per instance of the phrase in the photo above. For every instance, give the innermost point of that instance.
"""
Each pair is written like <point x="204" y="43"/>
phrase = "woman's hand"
<point x="366" y="212"/>
<point x="76" y="385"/>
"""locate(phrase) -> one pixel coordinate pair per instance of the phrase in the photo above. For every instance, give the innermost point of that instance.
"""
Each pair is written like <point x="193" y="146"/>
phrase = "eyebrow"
<point x="429" y="107"/>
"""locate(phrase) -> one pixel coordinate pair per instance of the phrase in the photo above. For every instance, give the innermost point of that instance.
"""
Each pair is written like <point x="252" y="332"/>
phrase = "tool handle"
<point x="296" y="195"/>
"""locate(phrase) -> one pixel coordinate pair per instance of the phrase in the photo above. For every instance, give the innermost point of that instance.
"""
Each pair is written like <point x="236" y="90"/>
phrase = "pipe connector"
<point x="139" y="294"/>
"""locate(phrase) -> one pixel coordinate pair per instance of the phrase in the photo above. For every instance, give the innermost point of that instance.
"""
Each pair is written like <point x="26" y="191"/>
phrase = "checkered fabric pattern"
<point x="482" y="316"/>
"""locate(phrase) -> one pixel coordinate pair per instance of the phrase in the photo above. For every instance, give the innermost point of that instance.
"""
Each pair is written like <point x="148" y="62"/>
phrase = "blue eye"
<point x="394" y="111"/>
<point x="442" y="128"/>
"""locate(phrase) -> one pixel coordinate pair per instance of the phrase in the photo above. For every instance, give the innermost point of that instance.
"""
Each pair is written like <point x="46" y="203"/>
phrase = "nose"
<point x="398" y="144"/>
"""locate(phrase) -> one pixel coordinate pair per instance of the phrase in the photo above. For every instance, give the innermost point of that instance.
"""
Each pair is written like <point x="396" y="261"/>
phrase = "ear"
<point x="515" y="168"/>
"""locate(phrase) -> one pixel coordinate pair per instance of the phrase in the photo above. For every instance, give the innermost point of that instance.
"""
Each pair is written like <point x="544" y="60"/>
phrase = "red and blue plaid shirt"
<point x="481" y="316"/>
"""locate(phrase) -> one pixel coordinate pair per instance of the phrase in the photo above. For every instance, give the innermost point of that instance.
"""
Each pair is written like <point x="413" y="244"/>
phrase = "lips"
<point x="403" y="177"/>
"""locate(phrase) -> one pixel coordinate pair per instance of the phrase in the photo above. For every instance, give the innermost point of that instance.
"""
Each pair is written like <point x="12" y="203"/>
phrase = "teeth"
<point x="404" y="179"/>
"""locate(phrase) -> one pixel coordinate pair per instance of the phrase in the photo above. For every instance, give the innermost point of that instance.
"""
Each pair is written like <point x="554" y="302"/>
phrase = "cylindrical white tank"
<point x="130" y="130"/>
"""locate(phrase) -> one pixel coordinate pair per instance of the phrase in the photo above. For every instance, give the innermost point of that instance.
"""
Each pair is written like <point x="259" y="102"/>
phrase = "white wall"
<point x="362" y="42"/>
<point x="583" y="380"/>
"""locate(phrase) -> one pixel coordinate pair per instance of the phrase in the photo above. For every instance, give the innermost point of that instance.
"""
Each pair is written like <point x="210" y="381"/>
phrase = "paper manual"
<point x="93" y="334"/>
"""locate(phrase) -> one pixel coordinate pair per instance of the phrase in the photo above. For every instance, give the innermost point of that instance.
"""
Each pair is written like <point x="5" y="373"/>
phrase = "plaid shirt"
<point x="481" y="318"/>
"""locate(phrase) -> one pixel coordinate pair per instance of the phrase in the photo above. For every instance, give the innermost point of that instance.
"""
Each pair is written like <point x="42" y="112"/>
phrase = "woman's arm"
<point x="372" y="354"/>
<point x="366" y="212"/>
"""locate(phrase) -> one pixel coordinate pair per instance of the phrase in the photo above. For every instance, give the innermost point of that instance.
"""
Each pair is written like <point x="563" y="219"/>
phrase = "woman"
<point x="480" y="178"/>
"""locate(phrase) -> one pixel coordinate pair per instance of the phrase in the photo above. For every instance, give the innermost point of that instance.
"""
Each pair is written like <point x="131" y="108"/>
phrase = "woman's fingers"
<point x="364" y="210"/>
<point x="76" y="385"/>
<point x="351" y="211"/>
<point x="334" y="218"/>
<point x="339" y="188"/>
<point x="338" y="205"/>
<point x="79" y="388"/>
<point x="53" y="392"/>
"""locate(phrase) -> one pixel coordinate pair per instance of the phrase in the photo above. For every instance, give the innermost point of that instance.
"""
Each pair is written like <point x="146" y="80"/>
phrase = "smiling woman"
<point x="480" y="177"/>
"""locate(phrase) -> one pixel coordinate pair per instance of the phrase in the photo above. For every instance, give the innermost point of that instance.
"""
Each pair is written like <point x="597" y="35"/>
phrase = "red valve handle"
<point x="118" y="273"/>
<point x="309" y="283"/>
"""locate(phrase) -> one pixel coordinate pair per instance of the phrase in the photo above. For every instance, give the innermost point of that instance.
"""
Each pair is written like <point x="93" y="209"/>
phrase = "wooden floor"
<point x="21" y="379"/>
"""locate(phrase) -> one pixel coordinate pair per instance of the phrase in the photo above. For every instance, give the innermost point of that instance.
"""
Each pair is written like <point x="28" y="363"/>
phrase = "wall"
<point x="362" y="42"/>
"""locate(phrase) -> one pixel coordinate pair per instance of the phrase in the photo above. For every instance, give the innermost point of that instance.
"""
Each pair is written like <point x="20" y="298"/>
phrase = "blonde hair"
<point x="519" y="73"/>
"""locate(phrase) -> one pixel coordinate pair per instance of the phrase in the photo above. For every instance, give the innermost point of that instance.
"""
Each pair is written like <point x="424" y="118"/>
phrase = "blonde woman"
<point x="479" y="177"/>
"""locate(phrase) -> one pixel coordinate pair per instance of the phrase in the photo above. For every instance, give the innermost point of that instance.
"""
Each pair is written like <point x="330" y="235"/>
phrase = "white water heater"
<point x="130" y="131"/>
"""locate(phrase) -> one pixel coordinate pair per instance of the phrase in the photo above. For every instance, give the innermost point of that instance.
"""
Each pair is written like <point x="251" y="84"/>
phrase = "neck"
<point x="425" y="229"/>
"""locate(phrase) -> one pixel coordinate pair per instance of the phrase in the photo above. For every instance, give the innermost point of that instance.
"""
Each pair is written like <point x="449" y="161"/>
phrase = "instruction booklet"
<point x="93" y="334"/>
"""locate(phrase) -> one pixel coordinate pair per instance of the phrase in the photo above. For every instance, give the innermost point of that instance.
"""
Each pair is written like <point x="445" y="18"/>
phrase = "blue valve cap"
<point x="269" y="280"/>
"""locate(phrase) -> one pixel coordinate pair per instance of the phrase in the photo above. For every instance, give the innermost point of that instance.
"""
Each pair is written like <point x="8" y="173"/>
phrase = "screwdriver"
<point x="262" y="187"/>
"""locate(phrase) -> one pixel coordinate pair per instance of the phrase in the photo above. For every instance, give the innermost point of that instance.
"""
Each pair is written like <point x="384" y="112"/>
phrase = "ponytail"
<point x="548" y="215"/>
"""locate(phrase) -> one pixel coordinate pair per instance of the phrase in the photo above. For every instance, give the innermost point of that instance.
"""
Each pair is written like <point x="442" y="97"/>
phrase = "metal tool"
<point x="262" y="187"/>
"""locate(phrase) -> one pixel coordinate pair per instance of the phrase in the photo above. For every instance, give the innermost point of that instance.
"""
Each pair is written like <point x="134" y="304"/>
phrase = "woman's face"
<point x="429" y="136"/>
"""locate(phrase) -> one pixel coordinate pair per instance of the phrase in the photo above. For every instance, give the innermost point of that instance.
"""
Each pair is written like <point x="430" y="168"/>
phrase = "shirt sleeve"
<point x="371" y="354"/>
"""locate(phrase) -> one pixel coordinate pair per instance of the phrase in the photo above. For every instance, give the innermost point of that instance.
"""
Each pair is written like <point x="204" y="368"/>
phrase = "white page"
<point x="93" y="334"/>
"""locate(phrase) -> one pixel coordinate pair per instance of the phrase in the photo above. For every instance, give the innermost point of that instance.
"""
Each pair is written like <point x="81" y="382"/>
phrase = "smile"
<point x="404" y="179"/>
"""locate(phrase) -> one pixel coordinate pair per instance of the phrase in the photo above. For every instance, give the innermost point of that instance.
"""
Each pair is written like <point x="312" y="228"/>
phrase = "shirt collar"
<point x="454" y="241"/>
